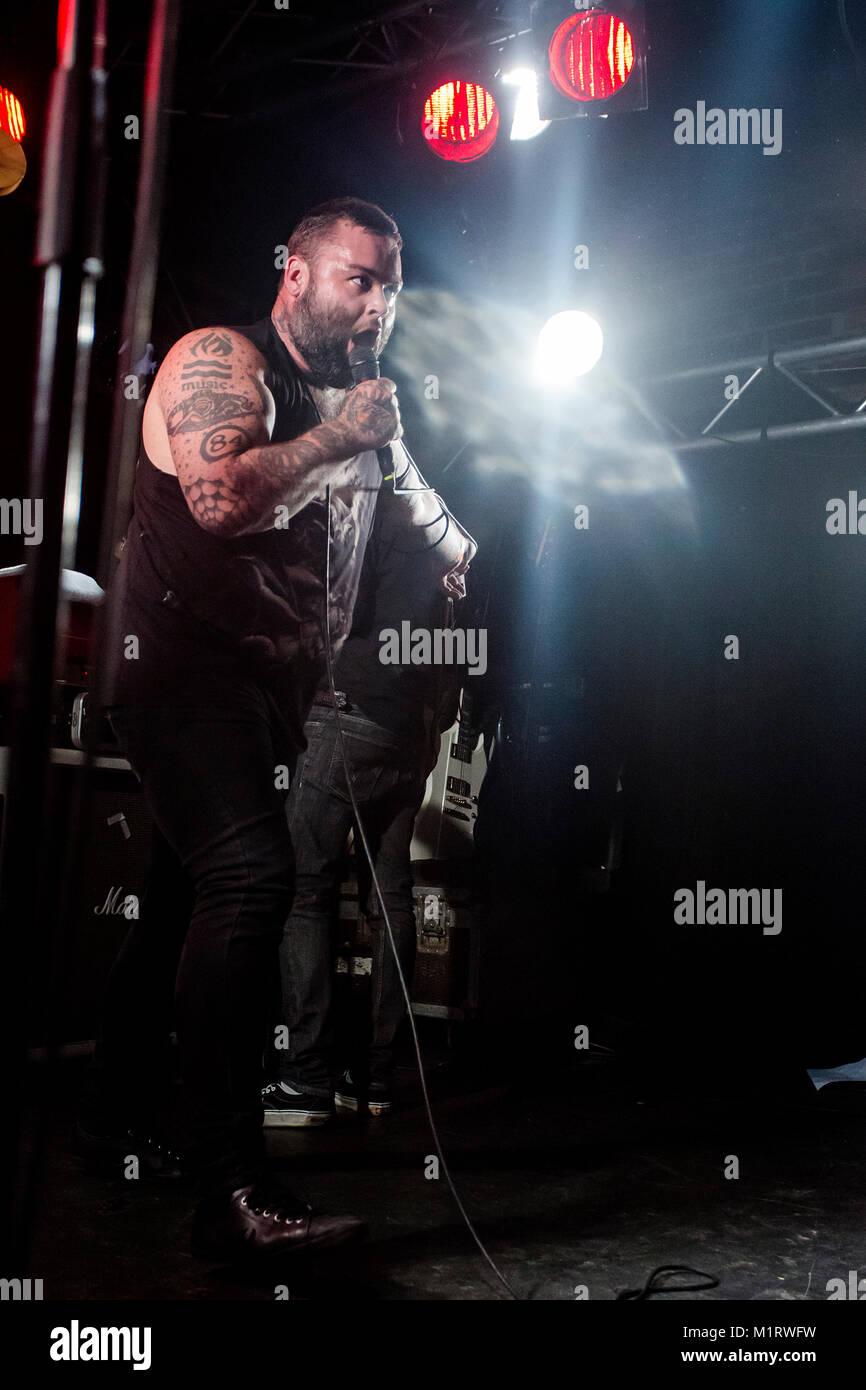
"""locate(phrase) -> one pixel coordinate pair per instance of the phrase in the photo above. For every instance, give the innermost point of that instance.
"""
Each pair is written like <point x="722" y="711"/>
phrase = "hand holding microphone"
<point x="370" y="417"/>
<point x="370" y="414"/>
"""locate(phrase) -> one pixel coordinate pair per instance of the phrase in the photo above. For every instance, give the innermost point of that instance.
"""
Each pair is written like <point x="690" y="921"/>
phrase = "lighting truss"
<point x="846" y="358"/>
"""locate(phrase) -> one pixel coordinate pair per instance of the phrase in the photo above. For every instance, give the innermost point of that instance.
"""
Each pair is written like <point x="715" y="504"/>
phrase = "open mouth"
<point x="369" y="339"/>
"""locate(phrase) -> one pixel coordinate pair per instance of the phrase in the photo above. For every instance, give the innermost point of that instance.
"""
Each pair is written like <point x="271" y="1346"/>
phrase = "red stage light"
<point x="460" y="121"/>
<point x="591" y="56"/>
<point x="11" y="115"/>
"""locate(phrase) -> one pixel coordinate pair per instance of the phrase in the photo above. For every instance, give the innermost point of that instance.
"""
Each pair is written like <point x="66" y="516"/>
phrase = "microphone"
<point x="364" y="366"/>
<point x="364" y="363"/>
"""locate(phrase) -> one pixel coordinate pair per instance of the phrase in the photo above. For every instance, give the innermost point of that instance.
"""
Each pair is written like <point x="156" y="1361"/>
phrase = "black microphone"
<point x="364" y="366"/>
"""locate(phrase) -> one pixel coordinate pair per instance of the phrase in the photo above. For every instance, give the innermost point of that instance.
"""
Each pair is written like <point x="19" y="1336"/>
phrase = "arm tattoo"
<point x="275" y="474"/>
<point x="207" y="407"/>
<point x="225" y="439"/>
<point x="212" y="502"/>
<point x="192" y="377"/>
<point x="232" y="482"/>
<point x="252" y="482"/>
<point x="212" y="345"/>
<point x="277" y="466"/>
<point x="366" y="413"/>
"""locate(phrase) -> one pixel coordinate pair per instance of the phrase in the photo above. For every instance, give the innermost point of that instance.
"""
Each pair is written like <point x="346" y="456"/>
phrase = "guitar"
<point x="444" y="826"/>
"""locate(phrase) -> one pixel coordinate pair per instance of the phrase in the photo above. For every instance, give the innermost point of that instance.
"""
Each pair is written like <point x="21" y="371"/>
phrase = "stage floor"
<point x="579" y="1188"/>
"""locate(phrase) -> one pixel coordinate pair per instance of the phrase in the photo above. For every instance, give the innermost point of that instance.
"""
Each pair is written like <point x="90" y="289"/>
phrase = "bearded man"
<point x="256" y="456"/>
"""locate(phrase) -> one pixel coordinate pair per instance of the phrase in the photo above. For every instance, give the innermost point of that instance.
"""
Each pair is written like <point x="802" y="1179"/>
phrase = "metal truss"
<point x="399" y="36"/>
<point x="334" y="50"/>
<point x="789" y="365"/>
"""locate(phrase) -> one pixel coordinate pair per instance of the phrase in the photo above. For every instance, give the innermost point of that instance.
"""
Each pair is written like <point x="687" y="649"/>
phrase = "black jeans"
<point x="210" y="776"/>
<point x="388" y="781"/>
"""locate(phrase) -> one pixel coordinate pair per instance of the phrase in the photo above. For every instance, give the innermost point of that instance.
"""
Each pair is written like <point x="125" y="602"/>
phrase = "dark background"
<point x="605" y="646"/>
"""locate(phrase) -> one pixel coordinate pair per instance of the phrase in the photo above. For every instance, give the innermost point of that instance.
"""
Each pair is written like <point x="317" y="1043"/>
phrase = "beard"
<point x="322" y="332"/>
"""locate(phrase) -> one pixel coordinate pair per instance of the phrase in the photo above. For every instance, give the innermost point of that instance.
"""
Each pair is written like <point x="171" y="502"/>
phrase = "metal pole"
<point x="141" y="283"/>
<point x="792" y="357"/>
<point x="61" y="373"/>
<point x="23" y="844"/>
<point x="803" y="429"/>
<point x="788" y="357"/>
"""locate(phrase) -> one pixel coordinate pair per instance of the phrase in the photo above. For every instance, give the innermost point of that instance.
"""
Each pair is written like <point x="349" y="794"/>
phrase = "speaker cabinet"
<point x="69" y="973"/>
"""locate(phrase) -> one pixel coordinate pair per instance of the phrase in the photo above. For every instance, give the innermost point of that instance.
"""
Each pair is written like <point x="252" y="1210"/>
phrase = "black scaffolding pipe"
<point x="29" y="900"/>
<point x="141" y="281"/>
<point x="23" y="901"/>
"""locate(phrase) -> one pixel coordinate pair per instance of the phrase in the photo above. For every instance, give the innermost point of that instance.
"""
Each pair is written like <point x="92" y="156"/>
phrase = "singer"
<point x="215" y="648"/>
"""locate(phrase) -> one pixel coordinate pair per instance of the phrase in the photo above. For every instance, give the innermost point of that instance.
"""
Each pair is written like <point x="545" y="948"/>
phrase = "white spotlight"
<point x="569" y="345"/>
<point x="527" y="122"/>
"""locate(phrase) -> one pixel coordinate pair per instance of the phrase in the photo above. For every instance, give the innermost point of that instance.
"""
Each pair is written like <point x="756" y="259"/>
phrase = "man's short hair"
<point x="311" y="231"/>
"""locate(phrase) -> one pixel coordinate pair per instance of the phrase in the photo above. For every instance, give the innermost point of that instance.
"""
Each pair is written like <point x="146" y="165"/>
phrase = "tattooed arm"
<point x="218" y="416"/>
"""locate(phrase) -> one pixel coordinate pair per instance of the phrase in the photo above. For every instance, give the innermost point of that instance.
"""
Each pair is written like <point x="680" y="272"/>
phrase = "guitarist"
<point x="391" y="717"/>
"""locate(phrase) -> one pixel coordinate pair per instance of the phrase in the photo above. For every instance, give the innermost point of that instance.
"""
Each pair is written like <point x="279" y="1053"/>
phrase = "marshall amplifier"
<point x="113" y="879"/>
<point x="112" y="876"/>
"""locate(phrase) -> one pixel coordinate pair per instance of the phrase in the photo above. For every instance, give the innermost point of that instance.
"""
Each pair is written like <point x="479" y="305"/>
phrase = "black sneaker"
<point x="379" y="1100"/>
<point x="346" y="1093"/>
<point x="350" y="1096"/>
<point x="255" y="1221"/>
<point x="286" y="1107"/>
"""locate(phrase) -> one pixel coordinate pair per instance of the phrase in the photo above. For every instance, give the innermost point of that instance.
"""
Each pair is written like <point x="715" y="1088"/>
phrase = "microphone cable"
<point x="430" y="1120"/>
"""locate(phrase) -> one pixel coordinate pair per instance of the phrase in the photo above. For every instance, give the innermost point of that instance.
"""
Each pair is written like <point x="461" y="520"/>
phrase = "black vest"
<point x="204" y="609"/>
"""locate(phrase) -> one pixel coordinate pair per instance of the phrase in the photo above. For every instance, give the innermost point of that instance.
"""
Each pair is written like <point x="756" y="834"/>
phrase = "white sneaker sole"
<point x="295" y="1119"/>
<point x="374" y="1107"/>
